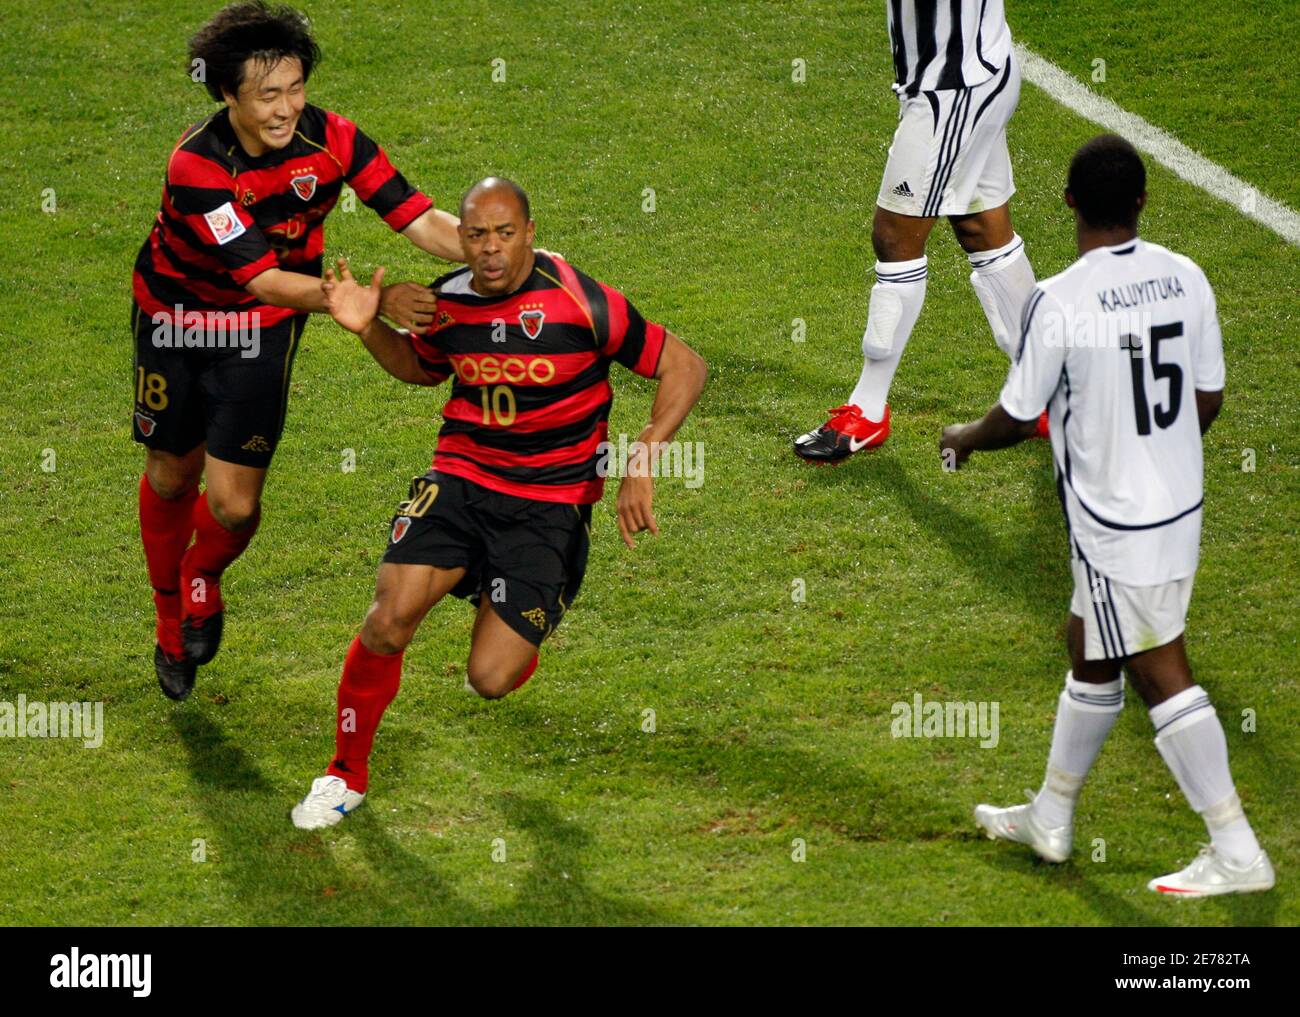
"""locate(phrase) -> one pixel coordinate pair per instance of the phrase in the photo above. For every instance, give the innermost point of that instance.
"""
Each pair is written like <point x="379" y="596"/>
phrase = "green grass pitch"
<point x="771" y="716"/>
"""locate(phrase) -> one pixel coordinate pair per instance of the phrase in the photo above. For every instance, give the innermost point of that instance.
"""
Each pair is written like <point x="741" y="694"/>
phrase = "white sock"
<point x="896" y="300"/>
<point x="1191" y="740"/>
<point x="1003" y="280"/>
<point x="1084" y="716"/>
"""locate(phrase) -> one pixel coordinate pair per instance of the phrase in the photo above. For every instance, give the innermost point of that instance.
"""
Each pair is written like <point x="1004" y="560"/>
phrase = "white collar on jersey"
<point x="1125" y="246"/>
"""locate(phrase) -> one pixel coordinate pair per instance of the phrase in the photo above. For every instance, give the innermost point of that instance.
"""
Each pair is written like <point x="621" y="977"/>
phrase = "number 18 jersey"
<point x="1115" y="348"/>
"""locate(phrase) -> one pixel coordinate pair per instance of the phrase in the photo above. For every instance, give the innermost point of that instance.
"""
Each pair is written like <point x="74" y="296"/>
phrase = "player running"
<point x="503" y="516"/>
<point x="958" y="83"/>
<point x="222" y="289"/>
<point x="1124" y="350"/>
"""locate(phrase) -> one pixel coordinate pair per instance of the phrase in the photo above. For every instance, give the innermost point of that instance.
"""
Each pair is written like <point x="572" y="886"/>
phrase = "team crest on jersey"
<point x="531" y="322"/>
<point x="400" y="525"/>
<point x="304" y="186"/>
<point x="146" y="424"/>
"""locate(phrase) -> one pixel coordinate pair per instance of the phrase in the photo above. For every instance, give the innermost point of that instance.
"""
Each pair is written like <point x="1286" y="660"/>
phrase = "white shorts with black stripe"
<point x="949" y="155"/>
<point x="1119" y="620"/>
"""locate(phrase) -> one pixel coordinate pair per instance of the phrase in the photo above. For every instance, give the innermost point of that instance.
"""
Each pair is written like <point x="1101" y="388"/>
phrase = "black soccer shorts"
<point x="526" y="557"/>
<point x="187" y="396"/>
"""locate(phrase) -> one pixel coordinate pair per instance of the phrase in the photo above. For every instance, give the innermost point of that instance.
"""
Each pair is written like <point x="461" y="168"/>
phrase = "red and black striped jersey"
<point x="227" y="217"/>
<point x="530" y="397"/>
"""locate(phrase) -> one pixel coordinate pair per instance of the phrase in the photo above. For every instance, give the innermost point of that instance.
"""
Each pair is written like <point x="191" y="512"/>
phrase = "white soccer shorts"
<point x="1120" y="620"/>
<point x="949" y="155"/>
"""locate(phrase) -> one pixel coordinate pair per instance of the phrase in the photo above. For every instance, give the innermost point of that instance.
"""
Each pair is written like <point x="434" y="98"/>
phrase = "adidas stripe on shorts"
<point x="1119" y="620"/>
<point x="949" y="154"/>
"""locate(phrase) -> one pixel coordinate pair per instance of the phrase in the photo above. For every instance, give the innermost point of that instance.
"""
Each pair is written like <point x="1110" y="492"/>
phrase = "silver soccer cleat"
<point x="1210" y="874"/>
<point x="1018" y="823"/>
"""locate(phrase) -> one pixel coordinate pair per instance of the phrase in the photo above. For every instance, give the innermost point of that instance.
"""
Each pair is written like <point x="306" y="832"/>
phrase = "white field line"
<point x="1160" y="145"/>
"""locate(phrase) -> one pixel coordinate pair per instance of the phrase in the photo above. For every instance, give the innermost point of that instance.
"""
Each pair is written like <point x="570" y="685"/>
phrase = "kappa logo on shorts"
<point x="256" y="444"/>
<point x="531" y="322"/>
<point x="304" y="186"/>
<point x="224" y="223"/>
<point x="146" y="424"/>
<point x="400" y="525"/>
<point x="535" y="615"/>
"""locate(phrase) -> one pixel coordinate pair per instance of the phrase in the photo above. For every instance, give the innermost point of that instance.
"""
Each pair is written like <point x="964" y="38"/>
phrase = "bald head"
<point x="496" y="187"/>
<point x="496" y="235"/>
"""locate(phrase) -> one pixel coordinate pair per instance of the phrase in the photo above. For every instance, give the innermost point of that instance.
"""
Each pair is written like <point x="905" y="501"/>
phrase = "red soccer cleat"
<point x="1042" y="431"/>
<point x="846" y="432"/>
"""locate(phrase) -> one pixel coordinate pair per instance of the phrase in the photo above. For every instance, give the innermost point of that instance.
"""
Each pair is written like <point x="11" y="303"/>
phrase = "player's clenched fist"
<point x="408" y="305"/>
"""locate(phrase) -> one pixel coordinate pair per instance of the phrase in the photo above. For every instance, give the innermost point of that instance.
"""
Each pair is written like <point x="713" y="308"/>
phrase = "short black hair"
<point x="250" y="29"/>
<point x="490" y="183"/>
<point x="1107" y="179"/>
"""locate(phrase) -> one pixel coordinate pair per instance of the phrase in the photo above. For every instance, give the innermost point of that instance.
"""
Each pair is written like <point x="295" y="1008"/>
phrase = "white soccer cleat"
<point x="1019" y="824"/>
<point x="328" y="801"/>
<point x="1211" y="874"/>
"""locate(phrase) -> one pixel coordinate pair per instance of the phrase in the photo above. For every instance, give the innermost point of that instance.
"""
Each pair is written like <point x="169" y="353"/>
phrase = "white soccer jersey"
<point x="942" y="44"/>
<point x="1115" y="347"/>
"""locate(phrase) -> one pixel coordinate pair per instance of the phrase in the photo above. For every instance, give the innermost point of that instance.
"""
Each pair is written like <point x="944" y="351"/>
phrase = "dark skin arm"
<point x="1208" y="405"/>
<point x="996" y="429"/>
<point x="999" y="429"/>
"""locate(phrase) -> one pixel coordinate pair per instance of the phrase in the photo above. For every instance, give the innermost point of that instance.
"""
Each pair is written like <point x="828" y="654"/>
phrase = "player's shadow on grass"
<point x="1077" y="877"/>
<point x="280" y="875"/>
<point x="1031" y="567"/>
<point x="553" y="888"/>
<point x="250" y="827"/>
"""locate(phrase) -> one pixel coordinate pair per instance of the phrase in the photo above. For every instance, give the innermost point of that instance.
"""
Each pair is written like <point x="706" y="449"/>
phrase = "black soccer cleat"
<point x="175" y="674"/>
<point x="846" y="432"/>
<point x="202" y="637"/>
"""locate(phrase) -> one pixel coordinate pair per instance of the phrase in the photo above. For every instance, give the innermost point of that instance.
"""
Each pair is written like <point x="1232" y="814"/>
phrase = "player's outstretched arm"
<point x="410" y="305"/>
<point x="279" y="288"/>
<point x="436" y="232"/>
<point x="356" y="308"/>
<point x="996" y="429"/>
<point x="681" y="375"/>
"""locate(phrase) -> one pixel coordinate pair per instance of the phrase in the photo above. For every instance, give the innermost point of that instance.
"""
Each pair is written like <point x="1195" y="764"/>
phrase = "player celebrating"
<point x="222" y="288"/>
<point x="503" y="515"/>
<point x="1124" y="350"/>
<point x="958" y="84"/>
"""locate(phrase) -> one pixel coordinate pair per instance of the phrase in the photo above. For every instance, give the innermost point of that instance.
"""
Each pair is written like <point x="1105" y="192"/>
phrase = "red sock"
<point x="526" y="673"/>
<point x="165" y="530"/>
<point x="370" y="682"/>
<point x="214" y="548"/>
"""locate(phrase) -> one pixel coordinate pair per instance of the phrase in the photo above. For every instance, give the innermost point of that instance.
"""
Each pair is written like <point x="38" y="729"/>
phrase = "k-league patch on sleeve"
<point x="224" y="223"/>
